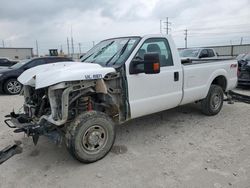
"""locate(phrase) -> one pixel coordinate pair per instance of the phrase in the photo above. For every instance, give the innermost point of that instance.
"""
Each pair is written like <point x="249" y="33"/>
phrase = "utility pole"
<point x="186" y="32"/>
<point x="68" y="45"/>
<point x="167" y="26"/>
<point x="37" y="53"/>
<point x="61" y="50"/>
<point x="241" y="40"/>
<point x="72" y="43"/>
<point x="3" y="44"/>
<point x="80" y="51"/>
<point x="93" y="43"/>
<point x="72" y="46"/>
<point x="160" y="26"/>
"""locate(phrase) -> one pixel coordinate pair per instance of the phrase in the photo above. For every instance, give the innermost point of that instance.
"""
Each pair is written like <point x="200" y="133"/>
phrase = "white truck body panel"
<point x="50" y="74"/>
<point x="153" y="93"/>
<point x="198" y="78"/>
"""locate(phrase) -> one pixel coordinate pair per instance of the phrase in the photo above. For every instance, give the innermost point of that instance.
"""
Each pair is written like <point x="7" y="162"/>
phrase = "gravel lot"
<point x="175" y="148"/>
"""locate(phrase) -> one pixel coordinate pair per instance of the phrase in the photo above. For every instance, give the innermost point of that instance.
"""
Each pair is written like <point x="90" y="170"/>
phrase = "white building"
<point x="16" y="53"/>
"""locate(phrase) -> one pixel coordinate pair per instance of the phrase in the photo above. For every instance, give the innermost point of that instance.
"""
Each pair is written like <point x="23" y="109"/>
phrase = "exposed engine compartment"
<point x="61" y="103"/>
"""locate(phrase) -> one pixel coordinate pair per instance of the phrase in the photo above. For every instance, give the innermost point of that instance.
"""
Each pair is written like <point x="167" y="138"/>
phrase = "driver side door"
<point x="150" y="93"/>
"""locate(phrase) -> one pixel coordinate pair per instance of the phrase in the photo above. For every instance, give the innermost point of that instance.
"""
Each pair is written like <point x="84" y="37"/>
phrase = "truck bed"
<point x="199" y="75"/>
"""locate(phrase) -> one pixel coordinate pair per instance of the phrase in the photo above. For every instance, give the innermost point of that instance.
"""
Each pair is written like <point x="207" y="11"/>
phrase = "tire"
<point x="90" y="136"/>
<point x="213" y="103"/>
<point x="12" y="87"/>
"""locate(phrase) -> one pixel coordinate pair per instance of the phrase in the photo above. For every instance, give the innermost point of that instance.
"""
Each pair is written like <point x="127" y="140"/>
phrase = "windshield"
<point x="20" y="64"/>
<point x="110" y="52"/>
<point x="189" y="53"/>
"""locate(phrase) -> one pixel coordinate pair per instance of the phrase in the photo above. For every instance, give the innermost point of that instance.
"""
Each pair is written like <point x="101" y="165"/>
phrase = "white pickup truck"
<point x="118" y="80"/>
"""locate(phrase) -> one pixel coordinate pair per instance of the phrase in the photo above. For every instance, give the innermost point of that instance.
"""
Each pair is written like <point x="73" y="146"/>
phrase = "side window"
<point x="156" y="45"/>
<point x="210" y="53"/>
<point x="35" y="63"/>
<point x="204" y="54"/>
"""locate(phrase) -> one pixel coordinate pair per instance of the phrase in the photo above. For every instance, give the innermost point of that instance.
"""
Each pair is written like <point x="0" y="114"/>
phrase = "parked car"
<point x="244" y="69"/>
<point x="6" y="62"/>
<point x="8" y="76"/>
<point x="118" y="80"/>
<point x="198" y="53"/>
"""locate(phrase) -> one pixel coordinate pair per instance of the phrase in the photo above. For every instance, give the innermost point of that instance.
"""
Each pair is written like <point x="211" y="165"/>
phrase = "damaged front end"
<point x="47" y="111"/>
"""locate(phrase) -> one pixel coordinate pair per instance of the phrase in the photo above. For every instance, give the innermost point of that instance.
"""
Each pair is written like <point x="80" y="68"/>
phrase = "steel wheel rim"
<point x="216" y="101"/>
<point x="14" y="87"/>
<point x="94" y="139"/>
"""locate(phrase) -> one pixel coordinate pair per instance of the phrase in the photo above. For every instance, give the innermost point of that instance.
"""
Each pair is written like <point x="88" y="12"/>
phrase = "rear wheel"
<point x="213" y="103"/>
<point x="12" y="87"/>
<point x="90" y="136"/>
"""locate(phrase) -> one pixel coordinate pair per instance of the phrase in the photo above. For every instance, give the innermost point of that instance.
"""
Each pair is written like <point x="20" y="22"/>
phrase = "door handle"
<point x="176" y="76"/>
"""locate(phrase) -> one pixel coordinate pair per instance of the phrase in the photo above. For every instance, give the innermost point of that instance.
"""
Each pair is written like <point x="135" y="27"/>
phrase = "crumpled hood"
<point x="50" y="74"/>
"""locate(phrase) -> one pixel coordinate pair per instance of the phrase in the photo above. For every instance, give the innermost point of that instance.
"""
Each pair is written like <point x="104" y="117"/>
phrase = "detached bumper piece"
<point x="239" y="97"/>
<point x="21" y="123"/>
<point x="10" y="151"/>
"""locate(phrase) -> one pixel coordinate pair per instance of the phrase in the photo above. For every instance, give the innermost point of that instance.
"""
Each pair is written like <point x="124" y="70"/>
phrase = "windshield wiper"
<point x="98" y="53"/>
<point x="121" y="51"/>
<point x="87" y="57"/>
<point x="103" y="48"/>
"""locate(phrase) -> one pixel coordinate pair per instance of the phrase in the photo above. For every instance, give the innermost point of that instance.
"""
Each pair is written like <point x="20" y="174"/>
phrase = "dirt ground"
<point x="175" y="148"/>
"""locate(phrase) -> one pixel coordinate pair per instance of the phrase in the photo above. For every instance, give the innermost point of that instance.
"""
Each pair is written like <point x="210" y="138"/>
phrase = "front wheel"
<point x="90" y="136"/>
<point x="12" y="87"/>
<point x="213" y="103"/>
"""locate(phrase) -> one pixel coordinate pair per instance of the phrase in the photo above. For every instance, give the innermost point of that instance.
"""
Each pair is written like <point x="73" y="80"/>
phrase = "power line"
<point x="238" y="26"/>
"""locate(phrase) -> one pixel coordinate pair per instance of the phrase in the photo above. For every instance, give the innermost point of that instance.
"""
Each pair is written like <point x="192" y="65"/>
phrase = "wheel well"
<point x="220" y="81"/>
<point x="8" y="78"/>
<point x="4" y="81"/>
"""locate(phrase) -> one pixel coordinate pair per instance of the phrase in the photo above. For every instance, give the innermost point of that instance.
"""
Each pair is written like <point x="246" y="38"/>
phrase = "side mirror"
<point x="150" y="64"/>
